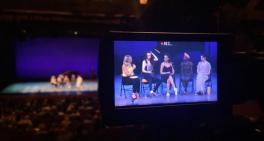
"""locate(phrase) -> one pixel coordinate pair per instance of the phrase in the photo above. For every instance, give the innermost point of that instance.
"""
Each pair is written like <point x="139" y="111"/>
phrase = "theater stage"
<point x="46" y="87"/>
<point x="146" y="99"/>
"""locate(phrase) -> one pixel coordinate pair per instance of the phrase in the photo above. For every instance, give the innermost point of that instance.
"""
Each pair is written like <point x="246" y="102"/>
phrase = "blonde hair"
<point x="126" y="58"/>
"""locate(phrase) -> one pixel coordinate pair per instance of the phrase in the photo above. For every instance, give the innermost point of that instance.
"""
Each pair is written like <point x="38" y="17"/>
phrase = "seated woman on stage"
<point x="203" y="73"/>
<point x="167" y="71"/>
<point x="60" y="79"/>
<point x="79" y="82"/>
<point x="53" y="81"/>
<point x="66" y="81"/>
<point x="129" y="77"/>
<point x="148" y="71"/>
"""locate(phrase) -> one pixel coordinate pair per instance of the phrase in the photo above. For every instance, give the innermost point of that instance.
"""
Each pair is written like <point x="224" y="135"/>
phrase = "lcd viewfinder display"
<point x="164" y="72"/>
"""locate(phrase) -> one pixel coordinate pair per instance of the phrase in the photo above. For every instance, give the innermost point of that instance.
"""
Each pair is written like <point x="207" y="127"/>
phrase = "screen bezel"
<point x="106" y="79"/>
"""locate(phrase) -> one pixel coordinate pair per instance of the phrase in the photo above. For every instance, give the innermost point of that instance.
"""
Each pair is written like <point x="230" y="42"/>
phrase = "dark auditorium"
<point x="134" y="70"/>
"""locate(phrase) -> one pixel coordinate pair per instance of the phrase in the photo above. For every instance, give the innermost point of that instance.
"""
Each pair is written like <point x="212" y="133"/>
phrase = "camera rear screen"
<point x="151" y="73"/>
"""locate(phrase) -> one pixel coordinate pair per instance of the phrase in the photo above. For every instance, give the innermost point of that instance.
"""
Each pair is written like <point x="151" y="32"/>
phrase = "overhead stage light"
<point x="75" y="32"/>
<point x="143" y="2"/>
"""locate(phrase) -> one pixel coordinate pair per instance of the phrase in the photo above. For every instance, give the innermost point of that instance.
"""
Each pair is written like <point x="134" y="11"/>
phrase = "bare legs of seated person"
<point x="170" y="82"/>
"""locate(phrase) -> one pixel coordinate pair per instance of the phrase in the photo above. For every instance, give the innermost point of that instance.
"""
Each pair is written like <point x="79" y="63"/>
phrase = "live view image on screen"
<point x="164" y="72"/>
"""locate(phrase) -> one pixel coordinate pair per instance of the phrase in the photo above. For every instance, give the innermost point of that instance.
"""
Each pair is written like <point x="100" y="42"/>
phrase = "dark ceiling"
<point x="78" y="6"/>
<point x="236" y="16"/>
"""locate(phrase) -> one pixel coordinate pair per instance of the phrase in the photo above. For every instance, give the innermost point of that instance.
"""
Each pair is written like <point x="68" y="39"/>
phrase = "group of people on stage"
<point x="67" y="80"/>
<point x="167" y="73"/>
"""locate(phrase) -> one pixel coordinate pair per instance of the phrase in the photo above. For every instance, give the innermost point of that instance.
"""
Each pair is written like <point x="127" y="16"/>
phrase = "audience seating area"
<point x="78" y="117"/>
<point x="59" y="117"/>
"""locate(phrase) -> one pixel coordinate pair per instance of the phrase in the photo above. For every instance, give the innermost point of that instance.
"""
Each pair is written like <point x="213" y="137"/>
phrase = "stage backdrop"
<point x="174" y="49"/>
<point x="40" y="58"/>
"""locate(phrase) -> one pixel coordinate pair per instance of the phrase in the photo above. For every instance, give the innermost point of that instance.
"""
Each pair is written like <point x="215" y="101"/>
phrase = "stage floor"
<point x="46" y="87"/>
<point x="146" y="99"/>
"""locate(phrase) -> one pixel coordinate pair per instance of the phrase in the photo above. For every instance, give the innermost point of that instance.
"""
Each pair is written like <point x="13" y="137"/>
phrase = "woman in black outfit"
<point x="148" y="71"/>
<point x="167" y="71"/>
